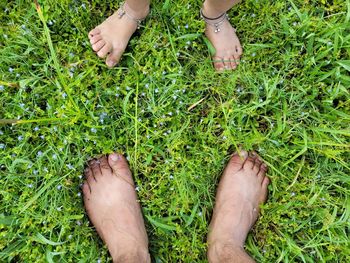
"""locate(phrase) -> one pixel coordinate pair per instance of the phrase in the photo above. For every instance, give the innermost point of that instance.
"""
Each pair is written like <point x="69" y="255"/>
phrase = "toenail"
<point x="114" y="157"/>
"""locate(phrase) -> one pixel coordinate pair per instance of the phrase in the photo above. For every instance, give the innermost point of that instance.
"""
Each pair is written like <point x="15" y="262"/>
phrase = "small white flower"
<point x="78" y="222"/>
<point x="1" y="132"/>
<point x="146" y="85"/>
<point x="35" y="172"/>
<point x="64" y="95"/>
<point x="30" y="185"/>
<point x="253" y="54"/>
<point x="199" y="213"/>
<point x="295" y="23"/>
<point x="70" y="166"/>
<point x="186" y="26"/>
<point x="156" y="90"/>
<point x="292" y="194"/>
<point x="137" y="189"/>
<point x="93" y="130"/>
<point x="39" y="153"/>
<point x="2" y="88"/>
<point x="253" y="15"/>
<point x="11" y="69"/>
<point x="78" y="194"/>
<point x="20" y="138"/>
<point x="128" y="88"/>
<point x="171" y="177"/>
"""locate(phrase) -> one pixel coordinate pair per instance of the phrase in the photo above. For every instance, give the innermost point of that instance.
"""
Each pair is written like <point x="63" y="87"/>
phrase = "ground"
<point x="177" y="121"/>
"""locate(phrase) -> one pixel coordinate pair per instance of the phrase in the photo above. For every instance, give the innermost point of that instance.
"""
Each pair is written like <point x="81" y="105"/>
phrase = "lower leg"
<point x="228" y="253"/>
<point x="214" y="8"/>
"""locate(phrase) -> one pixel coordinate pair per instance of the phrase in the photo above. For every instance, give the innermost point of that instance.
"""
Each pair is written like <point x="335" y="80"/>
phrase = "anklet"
<point x="122" y="12"/>
<point x="221" y="19"/>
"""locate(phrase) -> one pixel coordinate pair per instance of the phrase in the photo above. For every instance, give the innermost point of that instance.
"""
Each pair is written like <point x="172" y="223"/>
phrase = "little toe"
<point x="264" y="185"/>
<point x="249" y="163"/>
<point x="94" y="32"/>
<point x="114" y="57"/>
<point x="218" y="64"/>
<point x="86" y="189"/>
<point x="120" y="167"/>
<point x="95" y="39"/>
<point x="238" y="52"/>
<point x="104" y="166"/>
<point x="102" y="53"/>
<point x="97" y="46"/>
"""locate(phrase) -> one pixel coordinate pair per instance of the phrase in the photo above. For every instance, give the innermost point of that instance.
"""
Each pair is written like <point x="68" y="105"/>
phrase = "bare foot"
<point x="242" y="188"/>
<point x="111" y="204"/>
<point x="111" y="38"/>
<point x="226" y="43"/>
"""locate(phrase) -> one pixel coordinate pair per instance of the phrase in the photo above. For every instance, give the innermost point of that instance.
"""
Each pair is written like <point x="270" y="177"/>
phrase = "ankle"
<point x="210" y="11"/>
<point x="227" y="252"/>
<point x="138" y="11"/>
<point x="134" y="256"/>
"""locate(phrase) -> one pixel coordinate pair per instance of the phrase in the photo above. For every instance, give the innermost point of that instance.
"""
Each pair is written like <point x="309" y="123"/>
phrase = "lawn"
<point x="177" y="121"/>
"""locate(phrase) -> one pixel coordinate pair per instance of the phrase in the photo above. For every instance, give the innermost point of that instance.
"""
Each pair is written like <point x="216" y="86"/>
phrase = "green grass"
<point x="289" y="100"/>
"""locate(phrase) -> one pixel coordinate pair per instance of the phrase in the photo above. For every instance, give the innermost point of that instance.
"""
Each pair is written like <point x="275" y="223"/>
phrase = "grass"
<point x="177" y="121"/>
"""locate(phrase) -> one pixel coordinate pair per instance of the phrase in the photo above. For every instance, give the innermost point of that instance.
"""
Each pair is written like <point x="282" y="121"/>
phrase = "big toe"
<point x="237" y="161"/>
<point x="120" y="167"/>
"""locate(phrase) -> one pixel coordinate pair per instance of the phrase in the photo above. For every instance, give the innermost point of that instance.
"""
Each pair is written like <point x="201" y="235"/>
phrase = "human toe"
<point x="249" y="163"/>
<point x="218" y="64"/>
<point x="95" y="168"/>
<point x="262" y="172"/>
<point x="95" y="39"/>
<point x="102" y="53"/>
<point x="98" y="45"/>
<point x="94" y="32"/>
<point x="120" y="167"/>
<point x="104" y="166"/>
<point x="227" y="63"/>
<point x="236" y="162"/>
<point x="233" y="62"/>
<point x="113" y="58"/>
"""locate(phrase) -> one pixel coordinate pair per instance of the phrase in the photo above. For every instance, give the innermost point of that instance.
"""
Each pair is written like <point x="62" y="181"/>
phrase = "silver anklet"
<point x="210" y="21"/>
<point x="121" y="12"/>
